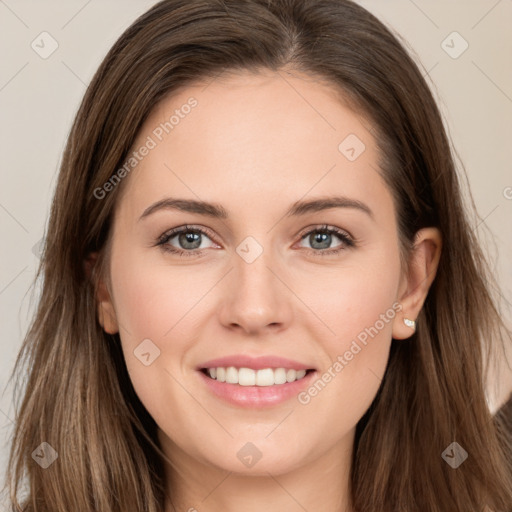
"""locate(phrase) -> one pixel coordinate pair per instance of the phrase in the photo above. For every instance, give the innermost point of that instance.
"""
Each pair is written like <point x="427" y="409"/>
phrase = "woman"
<point x="194" y="348"/>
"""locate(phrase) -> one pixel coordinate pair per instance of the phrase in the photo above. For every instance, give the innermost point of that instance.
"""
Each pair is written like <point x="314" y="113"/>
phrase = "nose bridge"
<point x="253" y="279"/>
<point x="255" y="298"/>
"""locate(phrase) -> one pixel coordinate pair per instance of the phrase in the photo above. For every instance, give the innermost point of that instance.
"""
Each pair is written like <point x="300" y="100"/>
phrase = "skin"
<point x="255" y="144"/>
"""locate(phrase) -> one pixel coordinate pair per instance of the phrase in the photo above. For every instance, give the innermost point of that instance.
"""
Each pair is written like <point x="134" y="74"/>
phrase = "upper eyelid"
<point x="324" y="227"/>
<point x="180" y="229"/>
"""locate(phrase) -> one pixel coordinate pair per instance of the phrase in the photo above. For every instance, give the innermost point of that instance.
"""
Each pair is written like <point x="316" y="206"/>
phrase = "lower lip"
<point x="257" y="396"/>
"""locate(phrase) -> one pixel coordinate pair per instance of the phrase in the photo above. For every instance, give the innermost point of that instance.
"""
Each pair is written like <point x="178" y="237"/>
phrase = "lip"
<point x="256" y="396"/>
<point x="255" y="363"/>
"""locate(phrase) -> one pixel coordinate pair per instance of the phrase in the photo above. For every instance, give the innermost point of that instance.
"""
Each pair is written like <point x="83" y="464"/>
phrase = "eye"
<point x="189" y="240"/>
<point x="321" y="238"/>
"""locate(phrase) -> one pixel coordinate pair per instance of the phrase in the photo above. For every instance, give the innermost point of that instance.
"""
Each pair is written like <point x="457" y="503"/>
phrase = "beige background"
<point x="38" y="99"/>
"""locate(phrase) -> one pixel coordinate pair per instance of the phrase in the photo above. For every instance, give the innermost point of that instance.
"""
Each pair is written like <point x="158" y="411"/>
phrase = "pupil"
<point x="323" y="238"/>
<point x="189" y="238"/>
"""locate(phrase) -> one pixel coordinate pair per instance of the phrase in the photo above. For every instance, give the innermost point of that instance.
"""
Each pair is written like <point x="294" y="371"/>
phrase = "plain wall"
<point x="39" y="97"/>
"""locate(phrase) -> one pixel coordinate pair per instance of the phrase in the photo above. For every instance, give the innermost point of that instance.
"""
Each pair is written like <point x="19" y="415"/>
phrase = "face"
<point x="267" y="278"/>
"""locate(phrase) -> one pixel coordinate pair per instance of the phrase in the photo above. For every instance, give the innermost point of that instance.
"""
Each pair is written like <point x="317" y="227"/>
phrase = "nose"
<point x="256" y="299"/>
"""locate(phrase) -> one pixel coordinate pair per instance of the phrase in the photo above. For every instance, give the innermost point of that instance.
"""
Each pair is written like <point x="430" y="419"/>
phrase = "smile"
<point x="249" y="377"/>
<point x="246" y="387"/>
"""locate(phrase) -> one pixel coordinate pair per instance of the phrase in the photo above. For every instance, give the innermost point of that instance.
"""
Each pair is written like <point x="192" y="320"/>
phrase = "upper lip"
<point x="256" y="363"/>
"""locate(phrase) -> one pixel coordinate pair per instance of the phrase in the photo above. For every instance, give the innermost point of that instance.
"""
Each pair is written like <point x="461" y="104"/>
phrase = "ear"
<point x="414" y="286"/>
<point x="106" y="312"/>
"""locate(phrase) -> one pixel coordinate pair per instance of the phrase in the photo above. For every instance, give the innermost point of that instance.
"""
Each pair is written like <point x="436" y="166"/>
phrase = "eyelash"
<point x="348" y="241"/>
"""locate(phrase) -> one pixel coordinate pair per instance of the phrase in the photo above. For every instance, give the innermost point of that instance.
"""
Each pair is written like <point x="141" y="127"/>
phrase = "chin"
<point x="256" y="458"/>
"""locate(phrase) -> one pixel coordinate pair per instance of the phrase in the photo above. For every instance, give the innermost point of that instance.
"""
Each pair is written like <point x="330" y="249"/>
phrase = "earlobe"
<point x="106" y="312"/>
<point x="107" y="317"/>
<point x="423" y="264"/>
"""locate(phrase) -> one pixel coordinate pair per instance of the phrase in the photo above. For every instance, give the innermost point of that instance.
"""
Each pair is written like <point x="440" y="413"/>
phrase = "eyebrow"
<point x="217" y="211"/>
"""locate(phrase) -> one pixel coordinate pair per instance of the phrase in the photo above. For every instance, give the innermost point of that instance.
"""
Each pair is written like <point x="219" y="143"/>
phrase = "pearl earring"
<point x="410" y="323"/>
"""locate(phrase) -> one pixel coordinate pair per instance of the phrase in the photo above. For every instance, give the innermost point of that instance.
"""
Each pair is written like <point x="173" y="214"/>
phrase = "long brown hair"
<point x="78" y="396"/>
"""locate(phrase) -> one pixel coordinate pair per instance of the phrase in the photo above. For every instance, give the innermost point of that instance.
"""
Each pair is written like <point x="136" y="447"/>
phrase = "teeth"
<point x="250" y="377"/>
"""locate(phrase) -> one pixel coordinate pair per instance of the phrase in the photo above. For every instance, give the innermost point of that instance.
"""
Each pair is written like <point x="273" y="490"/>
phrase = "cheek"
<point x="357" y="359"/>
<point x="359" y="304"/>
<point x="154" y="306"/>
<point x="355" y="296"/>
<point x="144" y="307"/>
<point x="153" y="299"/>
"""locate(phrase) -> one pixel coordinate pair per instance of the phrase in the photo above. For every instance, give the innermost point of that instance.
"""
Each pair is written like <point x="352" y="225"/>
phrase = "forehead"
<point x="245" y="137"/>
